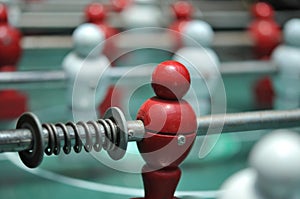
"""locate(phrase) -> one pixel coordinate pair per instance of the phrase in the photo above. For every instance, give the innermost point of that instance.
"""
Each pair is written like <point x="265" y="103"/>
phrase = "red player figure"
<point x="10" y="40"/>
<point x="12" y="102"/>
<point x="170" y="124"/>
<point x="183" y="12"/>
<point x="3" y="14"/>
<point x="266" y="35"/>
<point x="264" y="30"/>
<point x="96" y="13"/>
<point x="264" y="93"/>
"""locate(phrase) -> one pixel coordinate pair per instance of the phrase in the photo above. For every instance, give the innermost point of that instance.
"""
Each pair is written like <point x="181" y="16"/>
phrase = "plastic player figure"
<point x="264" y="93"/>
<point x="12" y="102"/>
<point x="202" y="63"/>
<point x="274" y="172"/>
<point x="287" y="59"/>
<point x="264" y="30"/>
<point x="85" y="69"/>
<point x="170" y="124"/>
<point x="96" y="13"/>
<point x="142" y="13"/>
<point x="10" y="40"/>
<point x="266" y="34"/>
<point x="183" y="12"/>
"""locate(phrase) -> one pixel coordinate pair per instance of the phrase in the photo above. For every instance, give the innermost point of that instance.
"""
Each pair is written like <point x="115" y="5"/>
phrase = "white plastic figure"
<point x="287" y="59"/>
<point x="85" y="69"/>
<point x="142" y="13"/>
<point x="202" y="63"/>
<point x="274" y="172"/>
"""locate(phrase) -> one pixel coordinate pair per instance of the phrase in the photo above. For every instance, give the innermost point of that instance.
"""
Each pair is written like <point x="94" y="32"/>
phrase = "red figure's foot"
<point x="264" y="93"/>
<point x="160" y="184"/>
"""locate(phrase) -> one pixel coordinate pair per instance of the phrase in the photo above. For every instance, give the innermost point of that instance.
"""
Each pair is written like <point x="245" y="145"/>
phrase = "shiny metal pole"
<point x="22" y="139"/>
<point x="227" y="68"/>
<point x="248" y="121"/>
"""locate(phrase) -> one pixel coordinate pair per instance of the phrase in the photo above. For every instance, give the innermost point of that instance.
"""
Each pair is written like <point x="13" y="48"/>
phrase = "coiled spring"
<point x="99" y="134"/>
<point x="111" y="133"/>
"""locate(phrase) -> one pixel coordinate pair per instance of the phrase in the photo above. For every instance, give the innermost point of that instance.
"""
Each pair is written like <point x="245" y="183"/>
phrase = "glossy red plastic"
<point x="12" y="104"/>
<point x="262" y="10"/>
<point x="264" y="31"/>
<point x="10" y="45"/>
<point x="152" y="183"/>
<point x="170" y="80"/>
<point x="183" y="10"/>
<point x="107" y="29"/>
<point x="167" y="116"/>
<point x="178" y="26"/>
<point x="3" y="14"/>
<point x="7" y="68"/>
<point x="176" y="30"/>
<point x="264" y="93"/>
<point x="95" y="12"/>
<point x="266" y="35"/>
<point x="170" y="125"/>
<point x="161" y="151"/>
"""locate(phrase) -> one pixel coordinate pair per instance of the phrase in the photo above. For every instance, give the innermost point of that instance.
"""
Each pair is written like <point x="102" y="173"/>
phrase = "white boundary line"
<point x="100" y="186"/>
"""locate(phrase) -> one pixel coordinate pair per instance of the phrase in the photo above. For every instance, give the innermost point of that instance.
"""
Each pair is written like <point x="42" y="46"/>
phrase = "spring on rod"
<point x="99" y="134"/>
<point x="111" y="133"/>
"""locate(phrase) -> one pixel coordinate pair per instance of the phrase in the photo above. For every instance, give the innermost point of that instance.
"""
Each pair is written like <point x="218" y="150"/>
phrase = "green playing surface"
<point x="80" y="176"/>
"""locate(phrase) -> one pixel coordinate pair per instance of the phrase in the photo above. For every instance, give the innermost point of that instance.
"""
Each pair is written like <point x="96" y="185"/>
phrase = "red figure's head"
<point x="170" y="80"/>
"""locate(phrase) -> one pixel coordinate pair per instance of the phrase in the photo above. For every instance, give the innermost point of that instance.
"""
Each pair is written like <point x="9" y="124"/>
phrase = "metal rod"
<point x="31" y="76"/>
<point x="160" y="39"/>
<point x="15" y="140"/>
<point x="248" y="67"/>
<point x="21" y="139"/>
<point x="228" y="68"/>
<point x="248" y="121"/>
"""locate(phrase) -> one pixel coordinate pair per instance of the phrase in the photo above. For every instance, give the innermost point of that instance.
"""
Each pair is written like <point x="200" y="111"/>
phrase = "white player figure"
<point x="274" y="170"/>
<point x="202" y="63"/>
<point x="287" y="59"/>
<point x="85" y="69"/>
<point x="142" y="13"/>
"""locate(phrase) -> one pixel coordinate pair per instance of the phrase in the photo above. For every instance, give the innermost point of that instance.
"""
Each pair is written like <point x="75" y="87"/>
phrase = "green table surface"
<point x="78" y="176"/>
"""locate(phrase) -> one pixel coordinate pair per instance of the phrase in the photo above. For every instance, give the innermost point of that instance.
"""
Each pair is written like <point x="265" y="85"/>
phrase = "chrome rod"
<point x="22" y="139"/>
<point x="227" y="68"/>
<point x="15" y="140"/>
<point x="248" y="121"/>
<point x="31" y="76"/>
